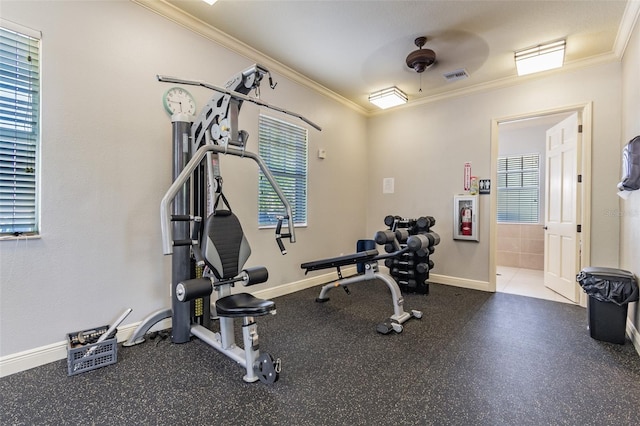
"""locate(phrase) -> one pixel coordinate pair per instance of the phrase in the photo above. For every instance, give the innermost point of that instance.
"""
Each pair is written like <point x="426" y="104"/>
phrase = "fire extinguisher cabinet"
<point x="465" y="217"/>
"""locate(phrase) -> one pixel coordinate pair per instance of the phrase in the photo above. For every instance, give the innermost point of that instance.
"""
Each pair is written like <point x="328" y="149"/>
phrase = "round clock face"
<point x="178" y="100"/>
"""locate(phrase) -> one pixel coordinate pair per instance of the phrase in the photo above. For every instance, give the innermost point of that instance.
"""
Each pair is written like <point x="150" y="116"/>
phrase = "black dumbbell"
<point x="422" y="267"/>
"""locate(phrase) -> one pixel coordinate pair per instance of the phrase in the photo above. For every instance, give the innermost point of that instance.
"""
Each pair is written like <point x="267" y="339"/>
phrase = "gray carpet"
<point x="473" y="359"/>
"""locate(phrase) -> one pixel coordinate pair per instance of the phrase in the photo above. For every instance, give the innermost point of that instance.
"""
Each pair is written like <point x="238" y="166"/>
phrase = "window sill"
<point x="20" y="237"/>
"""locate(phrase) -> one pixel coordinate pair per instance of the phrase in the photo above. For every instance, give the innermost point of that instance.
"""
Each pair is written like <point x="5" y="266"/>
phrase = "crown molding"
<point x="168" y="11"/>
<point x="628" y="22"/>
<point x="200" y="27"/>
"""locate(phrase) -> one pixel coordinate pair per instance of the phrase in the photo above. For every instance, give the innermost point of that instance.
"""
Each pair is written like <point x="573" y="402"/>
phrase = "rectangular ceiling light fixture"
<point x="540" y="58"/>
<point x="388" y="98"/>
<point x="210" y="2"/>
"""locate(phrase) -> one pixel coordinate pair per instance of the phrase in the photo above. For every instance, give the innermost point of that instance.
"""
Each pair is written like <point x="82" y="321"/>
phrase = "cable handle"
<point x="280" y="236"/>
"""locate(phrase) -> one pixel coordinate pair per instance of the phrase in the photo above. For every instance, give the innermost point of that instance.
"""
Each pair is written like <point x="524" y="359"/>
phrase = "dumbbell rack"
<point x="411" y="270"/>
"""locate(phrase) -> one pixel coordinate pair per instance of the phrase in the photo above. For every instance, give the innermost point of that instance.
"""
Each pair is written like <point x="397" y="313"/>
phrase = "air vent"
<point x="456" y="75"/>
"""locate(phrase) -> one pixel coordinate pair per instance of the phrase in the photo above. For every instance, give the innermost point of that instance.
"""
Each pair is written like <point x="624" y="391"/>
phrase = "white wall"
<point x="106" y="163"/>
<point x="425" y="147"/>
<point x="629" y="209"/>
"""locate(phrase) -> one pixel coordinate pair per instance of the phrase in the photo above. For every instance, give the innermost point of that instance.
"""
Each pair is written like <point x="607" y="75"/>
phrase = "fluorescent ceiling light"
<point x="210" y="2"/>
<point x="388" y="98"/>
<point x="540" y="58"/>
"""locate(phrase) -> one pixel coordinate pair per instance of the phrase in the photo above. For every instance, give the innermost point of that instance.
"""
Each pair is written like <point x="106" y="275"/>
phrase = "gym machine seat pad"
<point x="242" y="305"/>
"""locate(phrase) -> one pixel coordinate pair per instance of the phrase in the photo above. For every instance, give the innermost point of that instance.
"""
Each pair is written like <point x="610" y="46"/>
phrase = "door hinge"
<point x="580" y="128"/>
<point x="579" y="228"/>
<point x="579" y="178"/>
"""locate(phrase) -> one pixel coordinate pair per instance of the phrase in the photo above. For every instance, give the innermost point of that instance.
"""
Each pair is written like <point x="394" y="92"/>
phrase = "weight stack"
<point x="411" y="270"/>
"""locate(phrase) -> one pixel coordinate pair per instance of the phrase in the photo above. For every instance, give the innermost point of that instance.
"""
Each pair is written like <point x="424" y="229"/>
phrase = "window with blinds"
<point x="519" y="189"/>
<point x="283" y="147"/>
<point x="19" y="129"/>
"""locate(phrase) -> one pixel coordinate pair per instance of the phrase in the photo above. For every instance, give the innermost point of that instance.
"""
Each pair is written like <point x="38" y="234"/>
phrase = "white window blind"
<point x="19" y="129"/>
<point x="519" y="189"/>
<point x="283" y="147"/>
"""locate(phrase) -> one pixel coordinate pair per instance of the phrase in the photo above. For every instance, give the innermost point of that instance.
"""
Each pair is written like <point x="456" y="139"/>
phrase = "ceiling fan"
<point x="421" y="59"/>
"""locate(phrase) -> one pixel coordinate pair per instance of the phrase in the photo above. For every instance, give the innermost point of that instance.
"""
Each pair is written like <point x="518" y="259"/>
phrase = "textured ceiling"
<point x="356" y="47"/>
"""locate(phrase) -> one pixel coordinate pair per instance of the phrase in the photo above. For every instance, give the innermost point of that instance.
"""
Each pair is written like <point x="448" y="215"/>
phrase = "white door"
<point x="562" y="208"/>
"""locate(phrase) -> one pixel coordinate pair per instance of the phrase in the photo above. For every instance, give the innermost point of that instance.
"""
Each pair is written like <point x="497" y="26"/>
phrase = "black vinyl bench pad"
<point x="242" y="305"/>
<point x="334" y="262"/>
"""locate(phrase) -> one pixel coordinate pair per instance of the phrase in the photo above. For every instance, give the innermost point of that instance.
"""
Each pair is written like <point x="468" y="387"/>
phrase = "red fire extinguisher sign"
<point x="467" y="176"/>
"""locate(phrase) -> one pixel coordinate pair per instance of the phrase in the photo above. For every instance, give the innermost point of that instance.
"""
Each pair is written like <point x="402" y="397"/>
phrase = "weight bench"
<point x="369" y="259"/>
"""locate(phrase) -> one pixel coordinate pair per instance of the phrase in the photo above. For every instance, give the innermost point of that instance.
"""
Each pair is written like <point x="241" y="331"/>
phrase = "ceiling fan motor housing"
<point x="421" y="59"/>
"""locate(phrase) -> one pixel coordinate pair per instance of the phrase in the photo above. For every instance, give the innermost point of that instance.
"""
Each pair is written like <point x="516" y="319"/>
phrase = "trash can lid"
<point x="612" y="272"/>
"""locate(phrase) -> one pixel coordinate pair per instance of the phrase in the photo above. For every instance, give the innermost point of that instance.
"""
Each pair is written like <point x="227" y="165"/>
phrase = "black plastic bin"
<point x="610" y="291"/>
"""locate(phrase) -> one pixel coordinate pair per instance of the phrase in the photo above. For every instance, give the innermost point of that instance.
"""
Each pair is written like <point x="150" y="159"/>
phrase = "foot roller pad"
<point x="389" y="326"/>
<point x="384" y="328"/>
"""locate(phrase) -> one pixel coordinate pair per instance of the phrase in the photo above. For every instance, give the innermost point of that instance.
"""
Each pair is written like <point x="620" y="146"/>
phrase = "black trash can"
<point x="610" y="291"/>
<point x="364" y="245"/>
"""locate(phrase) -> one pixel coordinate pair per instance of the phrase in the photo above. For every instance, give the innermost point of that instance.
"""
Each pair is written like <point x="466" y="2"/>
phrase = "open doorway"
<point x="519" y="238"/>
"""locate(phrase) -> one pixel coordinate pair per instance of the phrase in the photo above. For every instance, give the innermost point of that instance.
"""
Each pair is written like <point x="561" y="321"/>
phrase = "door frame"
<point x="585" y="112"/>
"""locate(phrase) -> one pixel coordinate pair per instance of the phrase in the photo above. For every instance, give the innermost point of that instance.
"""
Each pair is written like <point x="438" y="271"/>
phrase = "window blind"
<point x="519" y="189"/>
<point x="19" y="130"/>
<point x="283" y="147"/>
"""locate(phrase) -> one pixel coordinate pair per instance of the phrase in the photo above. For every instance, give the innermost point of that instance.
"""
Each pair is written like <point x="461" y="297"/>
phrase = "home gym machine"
<point x="369" y="261"/>
<point x="209" y="254"/>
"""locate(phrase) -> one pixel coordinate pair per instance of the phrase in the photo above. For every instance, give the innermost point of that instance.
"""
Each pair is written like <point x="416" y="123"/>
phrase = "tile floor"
<point x="525" y="282"/>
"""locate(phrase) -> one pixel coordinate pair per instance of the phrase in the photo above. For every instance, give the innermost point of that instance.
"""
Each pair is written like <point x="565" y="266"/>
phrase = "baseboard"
<point x="36" y="357"/>
<point x="31" y="358"/>
<point x="634" y="335"/>
<point x="459" y="282"/>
